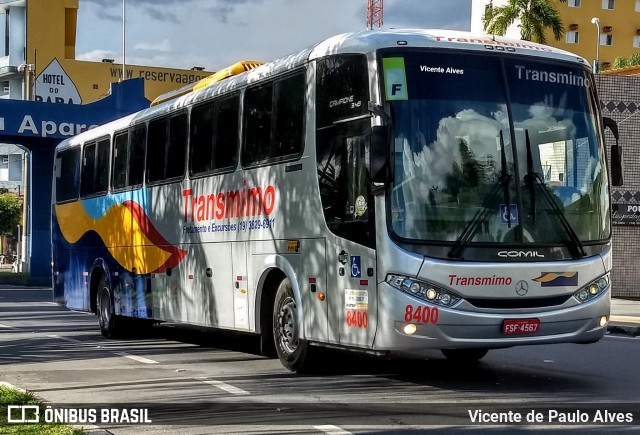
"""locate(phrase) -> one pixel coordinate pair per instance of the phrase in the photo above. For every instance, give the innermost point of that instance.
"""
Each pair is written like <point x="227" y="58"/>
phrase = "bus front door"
<point x="349" y="212"/>
<point x="353" y="301"/>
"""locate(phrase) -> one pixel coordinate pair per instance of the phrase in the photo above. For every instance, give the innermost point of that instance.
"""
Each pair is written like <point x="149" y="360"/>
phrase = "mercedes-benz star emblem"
<point x="522" y="287"/>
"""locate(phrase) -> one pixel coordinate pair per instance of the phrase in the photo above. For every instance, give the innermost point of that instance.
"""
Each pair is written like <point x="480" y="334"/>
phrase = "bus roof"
<point x="366" y="41"/>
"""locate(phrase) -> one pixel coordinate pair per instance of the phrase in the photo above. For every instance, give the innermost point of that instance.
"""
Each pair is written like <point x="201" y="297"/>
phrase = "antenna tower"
<point x="374" y="13"/>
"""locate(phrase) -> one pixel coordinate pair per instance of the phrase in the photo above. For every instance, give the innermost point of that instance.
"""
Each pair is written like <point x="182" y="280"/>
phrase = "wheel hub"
<point x="288" y="326"/>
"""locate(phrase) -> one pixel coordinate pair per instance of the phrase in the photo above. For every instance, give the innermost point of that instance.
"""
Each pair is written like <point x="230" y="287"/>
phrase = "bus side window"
<point x="274" y="121"/>
<point x="225" y="154"/>
<point x="137" y="147"/>
<point x="257" y="122"/>
<point x="88" y="169"/>
<point x="342" y="147"/>
<point x="67" y="175"/>
<point x="289" y="114"/>
<point x="214" y="136"/>
<point x="166" y="148"/>
<point x="177" y="146"/>
<point x="101" y="181"/>
<point x="156" y="149"/>
<point x="201" y="140"/>
<point x="120" y="159"/>
<point x="95" y="168"/>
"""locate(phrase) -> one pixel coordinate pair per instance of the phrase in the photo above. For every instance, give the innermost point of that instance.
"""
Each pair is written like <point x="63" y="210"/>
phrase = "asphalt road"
<point x="190" y="381"/>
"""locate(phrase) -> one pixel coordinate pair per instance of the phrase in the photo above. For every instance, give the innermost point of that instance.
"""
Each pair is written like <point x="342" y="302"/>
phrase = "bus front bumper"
<point x="470" y="327"/>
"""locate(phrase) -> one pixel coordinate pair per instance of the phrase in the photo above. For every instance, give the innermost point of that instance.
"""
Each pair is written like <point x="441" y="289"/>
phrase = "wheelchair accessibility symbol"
<point x="509" y="214"/>
<point x="356" y="269"/>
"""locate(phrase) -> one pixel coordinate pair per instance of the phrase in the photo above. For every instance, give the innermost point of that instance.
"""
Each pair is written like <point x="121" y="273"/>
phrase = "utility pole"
<point x="374" y="13"/>
<point x="124" y="44"/>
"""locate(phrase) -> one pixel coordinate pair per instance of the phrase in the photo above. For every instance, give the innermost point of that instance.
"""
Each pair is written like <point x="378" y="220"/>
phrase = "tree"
<point x="10" y="212"/>
<point x="535" y="17"/>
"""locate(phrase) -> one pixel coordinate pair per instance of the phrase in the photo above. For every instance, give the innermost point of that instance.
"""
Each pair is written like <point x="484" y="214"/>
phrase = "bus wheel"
<point x="291" y="350"/>
<point x="464" y="355"/>
<point x="108" y="321"/>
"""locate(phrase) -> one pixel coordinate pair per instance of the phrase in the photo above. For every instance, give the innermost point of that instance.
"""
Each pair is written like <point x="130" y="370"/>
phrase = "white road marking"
<point x="5" y="326"/>
<point x="140" y="359"/>
<point x="70" y="340"/>
<point x="226" y="387"/>
<point x="331" y="429"/>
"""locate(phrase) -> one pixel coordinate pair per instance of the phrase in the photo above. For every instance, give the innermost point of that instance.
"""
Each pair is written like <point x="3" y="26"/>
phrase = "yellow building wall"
<point x="623" y="19"/>
<point x="50" y="46"/>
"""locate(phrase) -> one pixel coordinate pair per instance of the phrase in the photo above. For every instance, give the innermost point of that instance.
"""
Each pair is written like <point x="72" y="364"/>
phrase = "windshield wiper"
<point x="487" y="207"/>
<point x="533" y="179"/>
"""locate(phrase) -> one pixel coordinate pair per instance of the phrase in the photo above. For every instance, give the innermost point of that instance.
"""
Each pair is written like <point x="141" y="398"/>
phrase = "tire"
<point x="291" y="349"/>
<point x="110" y="324"/>
<point x="464" y="355"/>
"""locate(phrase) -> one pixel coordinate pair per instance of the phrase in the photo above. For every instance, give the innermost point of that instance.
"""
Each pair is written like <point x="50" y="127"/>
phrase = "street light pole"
<point x="596" y="63"/>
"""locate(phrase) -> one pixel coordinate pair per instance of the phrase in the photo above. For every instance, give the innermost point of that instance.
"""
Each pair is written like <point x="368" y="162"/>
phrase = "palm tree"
<point x="535" y="16"/>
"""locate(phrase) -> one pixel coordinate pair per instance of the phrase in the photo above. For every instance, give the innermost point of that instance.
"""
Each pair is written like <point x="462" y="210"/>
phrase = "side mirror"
<point x="379" y="149"/>
<point x="616" y="153"/>
<point x="616" y="165"/>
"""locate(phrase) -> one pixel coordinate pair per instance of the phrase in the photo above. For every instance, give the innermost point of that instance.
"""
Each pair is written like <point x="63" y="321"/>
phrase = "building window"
<point x="572" y="37"/>
<point x="636" y="41"/>
<point x="637" y="5"/>
<point x="606" y="39"/>
<point x="574" y="3"/>
<point x="608" y="4"/>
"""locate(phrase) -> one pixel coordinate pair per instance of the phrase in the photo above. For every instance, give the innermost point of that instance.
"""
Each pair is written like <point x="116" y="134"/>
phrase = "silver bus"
<point x="382" y="191"/>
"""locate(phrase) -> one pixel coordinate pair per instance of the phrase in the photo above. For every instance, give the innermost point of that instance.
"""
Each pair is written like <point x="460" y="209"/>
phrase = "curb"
<point x="622" y="329"/>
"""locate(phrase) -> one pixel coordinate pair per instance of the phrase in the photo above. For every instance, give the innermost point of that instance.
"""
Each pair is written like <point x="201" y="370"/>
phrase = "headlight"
<point x="593" y="289"/>
<point x="423" y="290"/>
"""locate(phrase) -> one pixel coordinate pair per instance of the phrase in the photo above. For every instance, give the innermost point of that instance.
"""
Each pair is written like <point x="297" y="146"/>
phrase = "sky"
<point x="216" y="33"/>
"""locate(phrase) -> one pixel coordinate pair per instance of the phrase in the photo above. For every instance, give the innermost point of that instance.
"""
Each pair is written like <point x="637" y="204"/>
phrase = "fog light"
<point x="593" y="289"/>
<point x="603" y="321"/>
<point x="431" y="294"/>
<point x="410" y="329"/>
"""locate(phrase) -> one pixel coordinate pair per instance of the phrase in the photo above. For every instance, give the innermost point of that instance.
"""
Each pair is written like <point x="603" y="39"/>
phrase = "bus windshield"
<point x="493" y="149"/>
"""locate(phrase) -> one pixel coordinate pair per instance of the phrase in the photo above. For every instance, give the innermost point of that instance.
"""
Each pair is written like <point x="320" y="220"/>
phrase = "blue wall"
<point x="39" y="127"/>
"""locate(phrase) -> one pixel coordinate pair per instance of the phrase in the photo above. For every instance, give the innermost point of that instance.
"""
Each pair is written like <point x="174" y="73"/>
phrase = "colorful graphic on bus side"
<point x="135" y="245"/>
<point x="557" y="279"/>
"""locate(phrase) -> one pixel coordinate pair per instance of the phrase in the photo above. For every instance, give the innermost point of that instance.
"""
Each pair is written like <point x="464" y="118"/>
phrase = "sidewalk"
<point x="625" y="317"/>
